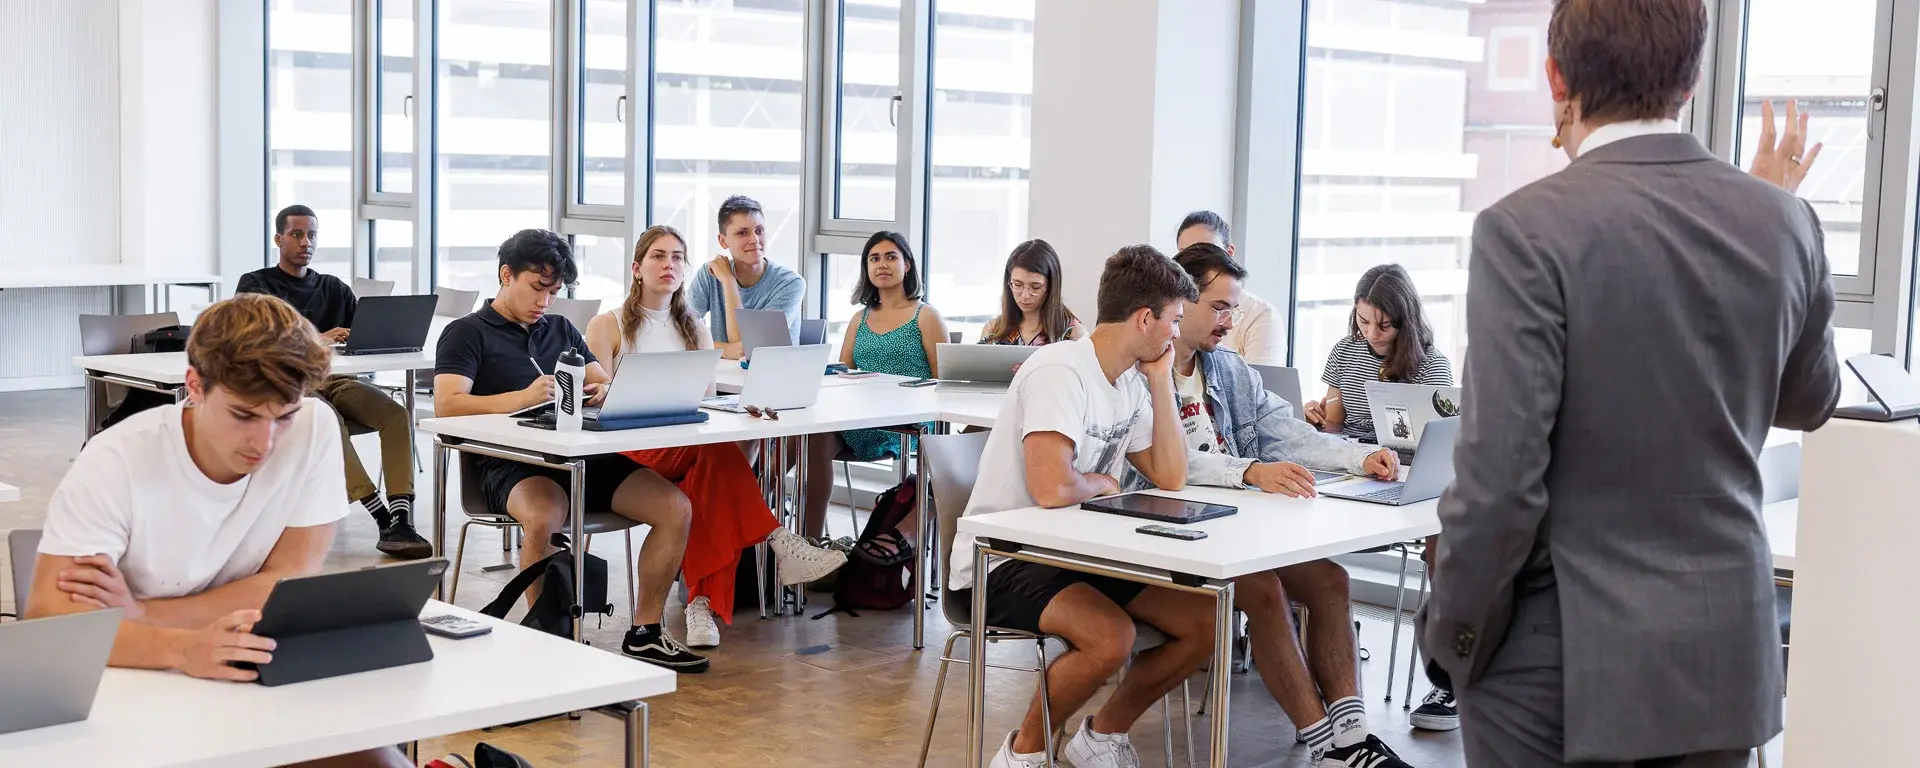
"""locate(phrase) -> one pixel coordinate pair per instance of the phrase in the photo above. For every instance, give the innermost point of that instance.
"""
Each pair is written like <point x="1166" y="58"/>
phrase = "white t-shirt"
<point x="1196" y="419"/>
<point x="658" y="333"/>
<point x="135" y="495"/>
<point x="1061" y="388"/>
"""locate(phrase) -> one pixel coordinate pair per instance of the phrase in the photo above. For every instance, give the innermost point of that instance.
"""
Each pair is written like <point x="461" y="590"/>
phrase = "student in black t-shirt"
<point x="328" y="303"/>
<point x="500" y="359"/>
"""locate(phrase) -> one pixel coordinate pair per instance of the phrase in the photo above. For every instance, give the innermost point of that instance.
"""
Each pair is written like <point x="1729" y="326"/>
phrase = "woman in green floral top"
<point x="894" y="332"/>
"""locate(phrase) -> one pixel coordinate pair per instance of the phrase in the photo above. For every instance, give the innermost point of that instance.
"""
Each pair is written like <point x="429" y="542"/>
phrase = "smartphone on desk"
<point x="1168" y="531"/>
<point x="857" y="374"/>
<point x="916" y="383"/>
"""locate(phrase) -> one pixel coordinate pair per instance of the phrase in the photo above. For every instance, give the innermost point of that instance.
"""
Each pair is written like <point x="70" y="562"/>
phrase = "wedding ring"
<point x="1795" y="159"/>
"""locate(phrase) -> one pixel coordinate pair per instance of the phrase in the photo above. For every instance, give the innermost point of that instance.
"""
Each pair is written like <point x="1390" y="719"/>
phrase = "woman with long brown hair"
<point x="1388" y="339"/>
<point x="728" y="512"/>
<point x="1031" y="311"/>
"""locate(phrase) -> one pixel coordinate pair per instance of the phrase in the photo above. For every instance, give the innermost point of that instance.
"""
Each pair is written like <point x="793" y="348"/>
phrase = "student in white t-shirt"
<point x="184" y="516"/>
<point x="1077" y="414"/>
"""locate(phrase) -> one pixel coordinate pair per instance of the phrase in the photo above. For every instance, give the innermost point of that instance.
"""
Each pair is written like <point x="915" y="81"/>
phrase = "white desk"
<point x="8" y="493"/>
<point x="166" y="373"/>
<point x="1269" y="532"/>
<point x="143" y="718"/>
<point x="105" y="276"/>
<point x="1783" y="529"/>
<point x="729" y="377"/>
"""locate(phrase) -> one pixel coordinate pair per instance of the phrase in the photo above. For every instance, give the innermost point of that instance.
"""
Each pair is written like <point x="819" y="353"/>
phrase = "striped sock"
<point x="402" y="506"/>
<point x="1318" y="738"/>
<point x="376" y="508"/>
<point x="1349" y="718"/>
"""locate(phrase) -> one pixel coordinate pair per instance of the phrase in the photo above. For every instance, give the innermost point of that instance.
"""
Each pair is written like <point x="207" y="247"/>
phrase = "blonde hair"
<point x="257" y="347"/>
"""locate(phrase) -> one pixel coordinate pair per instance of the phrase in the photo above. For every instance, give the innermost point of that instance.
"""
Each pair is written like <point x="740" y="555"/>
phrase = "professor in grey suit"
<point x="1603" y="592"/>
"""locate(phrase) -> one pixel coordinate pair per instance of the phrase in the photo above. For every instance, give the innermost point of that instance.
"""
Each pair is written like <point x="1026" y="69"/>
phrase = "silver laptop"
<point x="812" y="331"/>
<point x="51" y="668"/>
<point x="762" y="328"/>
<point x="1425" y="480"/>
<point x="1402" y="411"/>
<point x="657" y="384"/>
<point x="980" y="367"/>
<point x="781" y="378"/>
<point x="1285" y="382"/>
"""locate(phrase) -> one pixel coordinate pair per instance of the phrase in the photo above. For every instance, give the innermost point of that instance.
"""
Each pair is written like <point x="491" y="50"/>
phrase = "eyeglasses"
<point x="1022" y="289"/>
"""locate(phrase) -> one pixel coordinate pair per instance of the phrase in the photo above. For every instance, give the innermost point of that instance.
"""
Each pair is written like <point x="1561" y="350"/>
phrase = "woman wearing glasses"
<point x="1031" y="312"/>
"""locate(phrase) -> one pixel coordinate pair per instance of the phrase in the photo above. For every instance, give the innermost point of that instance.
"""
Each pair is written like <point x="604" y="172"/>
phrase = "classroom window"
<point x="393" y="95"/>
<point x="606" y="269"/>
<point x="309" y="130"/>
<point x="600" y="159"/>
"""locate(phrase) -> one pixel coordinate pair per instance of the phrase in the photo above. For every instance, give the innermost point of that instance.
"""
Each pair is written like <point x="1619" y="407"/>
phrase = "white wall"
<point x="1133" y="120"/>
<point x="107" y="138"/>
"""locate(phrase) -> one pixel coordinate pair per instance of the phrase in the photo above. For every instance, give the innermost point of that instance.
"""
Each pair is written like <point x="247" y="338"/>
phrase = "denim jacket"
<point x="1259" y="426"/>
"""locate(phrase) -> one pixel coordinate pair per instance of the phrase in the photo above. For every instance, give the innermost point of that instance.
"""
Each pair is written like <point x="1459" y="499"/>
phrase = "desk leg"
<point x="440" y="458"/>
<point x="95" y="393"/>
<point x="637" y="736"/>
<point x="929" y="542"/>
<point x="977" y="661"/>
<point x="1222" y="668"/>
<point x="577" y="504"/>
<point x="801" y="463"/>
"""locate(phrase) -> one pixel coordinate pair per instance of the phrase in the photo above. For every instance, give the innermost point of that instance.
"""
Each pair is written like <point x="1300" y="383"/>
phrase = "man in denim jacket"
<point x="1239" y="435"/>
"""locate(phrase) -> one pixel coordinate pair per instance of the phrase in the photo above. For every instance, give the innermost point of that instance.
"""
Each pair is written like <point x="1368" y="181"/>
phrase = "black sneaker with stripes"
<point x="1372" y="753"/>
<point x="654" y="646"/>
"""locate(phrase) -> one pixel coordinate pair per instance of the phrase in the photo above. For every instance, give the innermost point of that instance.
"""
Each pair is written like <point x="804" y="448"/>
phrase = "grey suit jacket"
<point x="1636" y="323"/>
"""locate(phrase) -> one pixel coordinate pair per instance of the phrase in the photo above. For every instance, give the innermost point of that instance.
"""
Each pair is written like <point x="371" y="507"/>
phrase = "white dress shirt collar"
<point x="1612" y="132"/>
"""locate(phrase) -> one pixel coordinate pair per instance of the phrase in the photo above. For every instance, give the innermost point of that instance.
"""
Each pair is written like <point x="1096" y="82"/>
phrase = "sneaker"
<point x="1438" y="713"/>
<point x="702" y="632"/>
<point x="398" y="538"/>
<point x="661" y="650"/>
<point x="1005" y="758"/>
<point x="1113" y="751"/>
<point x="1372" y="753"/>
<point x="799" y="562"/>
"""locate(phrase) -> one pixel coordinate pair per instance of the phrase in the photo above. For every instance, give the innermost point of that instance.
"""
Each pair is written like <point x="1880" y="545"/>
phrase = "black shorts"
<point x="604" y="475"/>
<point x="1018" y="591"/>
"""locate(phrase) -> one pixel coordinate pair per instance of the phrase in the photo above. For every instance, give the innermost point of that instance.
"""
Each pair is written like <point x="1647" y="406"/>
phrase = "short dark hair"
<point x="1628" y="59"/>
<point x="1140" y="277"/>
<point x="541" y="251"/>
<point x="1206" y="262"/>
<point x="280" y="219"/>
<point x="864" y="292"/>
<point x="738" y="204"/>
<point x="1212" y="221"/>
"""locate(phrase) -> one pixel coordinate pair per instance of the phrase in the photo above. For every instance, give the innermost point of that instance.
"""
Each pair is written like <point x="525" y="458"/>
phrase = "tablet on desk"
<point x="1166" y="509"/>
<point x="341" y="623"/>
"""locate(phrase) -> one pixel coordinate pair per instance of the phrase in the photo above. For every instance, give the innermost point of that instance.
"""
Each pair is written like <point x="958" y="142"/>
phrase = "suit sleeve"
<point x="1491" y="516"/>
<point x="1810" y="384"/>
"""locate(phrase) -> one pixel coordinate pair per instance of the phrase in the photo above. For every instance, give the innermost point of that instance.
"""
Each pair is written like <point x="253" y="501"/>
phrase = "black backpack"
<point x="553" y="610"/>
<point x="878" y="587"/>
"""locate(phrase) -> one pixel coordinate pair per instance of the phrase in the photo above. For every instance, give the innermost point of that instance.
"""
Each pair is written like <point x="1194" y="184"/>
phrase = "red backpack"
<point x="863" y="585"/>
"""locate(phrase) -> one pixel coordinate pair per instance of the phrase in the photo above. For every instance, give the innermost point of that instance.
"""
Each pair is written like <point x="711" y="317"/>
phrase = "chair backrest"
<point x="455" y="303"/>
<point x="472" y="501"/>
<point x="1284" y="382"/>
<point x="579" y="311"/>
<point x="1780" y="473"/>
<point x="23" y="547"/>
<point x="813" y="332"/>
<point x="363" y="287"/>
<point x="953" y="464"/>
<point x="953" y="337"/>
<point x="113" y="334"/>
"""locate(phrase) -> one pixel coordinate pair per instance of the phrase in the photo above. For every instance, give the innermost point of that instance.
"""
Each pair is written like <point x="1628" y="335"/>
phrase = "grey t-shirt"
<point x="780" y="289"/>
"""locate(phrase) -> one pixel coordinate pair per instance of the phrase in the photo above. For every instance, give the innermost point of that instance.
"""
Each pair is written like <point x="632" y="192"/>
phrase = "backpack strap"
<point x="518" y="586"/>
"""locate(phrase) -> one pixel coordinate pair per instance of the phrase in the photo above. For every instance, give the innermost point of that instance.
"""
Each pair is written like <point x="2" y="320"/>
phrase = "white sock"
<point x="1349" y="718"/>
<point x="1318" y="737"/>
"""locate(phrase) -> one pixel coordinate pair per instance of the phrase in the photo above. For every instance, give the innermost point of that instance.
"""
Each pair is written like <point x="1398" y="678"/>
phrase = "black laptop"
<point x="341" y="623"/>
<point x="386" y="325"/>
<point x="1165" y="509"/>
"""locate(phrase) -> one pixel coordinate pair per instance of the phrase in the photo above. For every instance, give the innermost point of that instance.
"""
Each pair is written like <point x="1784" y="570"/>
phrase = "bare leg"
<point x="1187" y="619"/>
<point x="647" y="498"/>
<point x="1099" y="636"/>
<point x="1323" y="587"/>
<point x="540" y="506"/>
<point x="1276" y="651"/>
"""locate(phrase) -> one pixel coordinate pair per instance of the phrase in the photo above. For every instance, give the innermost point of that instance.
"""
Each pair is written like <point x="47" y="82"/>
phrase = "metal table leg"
<point x="635" y="715"/>
<point x="576" y="518"/>
<point x="1222" y="667"/>
<point x="440" y="457"/>
<point x="929" y="536"/>
<point x="977" y="670"/>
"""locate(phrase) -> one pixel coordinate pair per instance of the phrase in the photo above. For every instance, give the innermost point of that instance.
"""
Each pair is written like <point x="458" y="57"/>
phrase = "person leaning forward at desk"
<point x="1603" y="593"/>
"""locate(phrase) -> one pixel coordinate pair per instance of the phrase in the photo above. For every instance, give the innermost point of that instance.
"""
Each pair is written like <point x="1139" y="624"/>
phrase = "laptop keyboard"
<point x="1385" y="494"/>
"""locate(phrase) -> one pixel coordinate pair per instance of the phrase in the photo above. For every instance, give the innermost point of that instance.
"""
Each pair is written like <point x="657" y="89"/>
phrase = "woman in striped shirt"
<point x="1388" y="339"/>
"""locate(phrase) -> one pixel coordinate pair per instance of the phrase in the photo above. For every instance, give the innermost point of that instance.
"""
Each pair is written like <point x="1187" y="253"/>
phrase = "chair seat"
<point x="595" y="523"/>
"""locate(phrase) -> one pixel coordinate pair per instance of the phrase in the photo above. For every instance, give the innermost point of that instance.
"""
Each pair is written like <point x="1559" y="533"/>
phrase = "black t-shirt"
<point x="498" y="354"/>
<point x="321" y="298"/>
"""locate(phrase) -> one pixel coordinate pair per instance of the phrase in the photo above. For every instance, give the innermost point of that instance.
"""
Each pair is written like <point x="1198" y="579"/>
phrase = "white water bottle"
<point x="569" y="400"/>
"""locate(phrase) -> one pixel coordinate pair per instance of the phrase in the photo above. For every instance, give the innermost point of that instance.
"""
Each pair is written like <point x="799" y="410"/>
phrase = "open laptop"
<point x="1895" y="394"/>
<point x="980" y="367"/>
<point x="781" y="378"/>
<point x="51" y="668"/>
<point x="1285" y="382"/>
<point x="385" y="325"/>
<point x="1425" y="480"/>
<point x="656" y="385"/>
<point x="1401" y="412"/>
<point x="763" y="328"/>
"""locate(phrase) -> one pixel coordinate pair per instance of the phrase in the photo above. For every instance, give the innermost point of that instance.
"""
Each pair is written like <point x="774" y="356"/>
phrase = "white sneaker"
<point x="1113" y="751"/>
<point x="1005" y="758"/>
<point x="799" y="562"/>
<point x="702" y="632"/>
